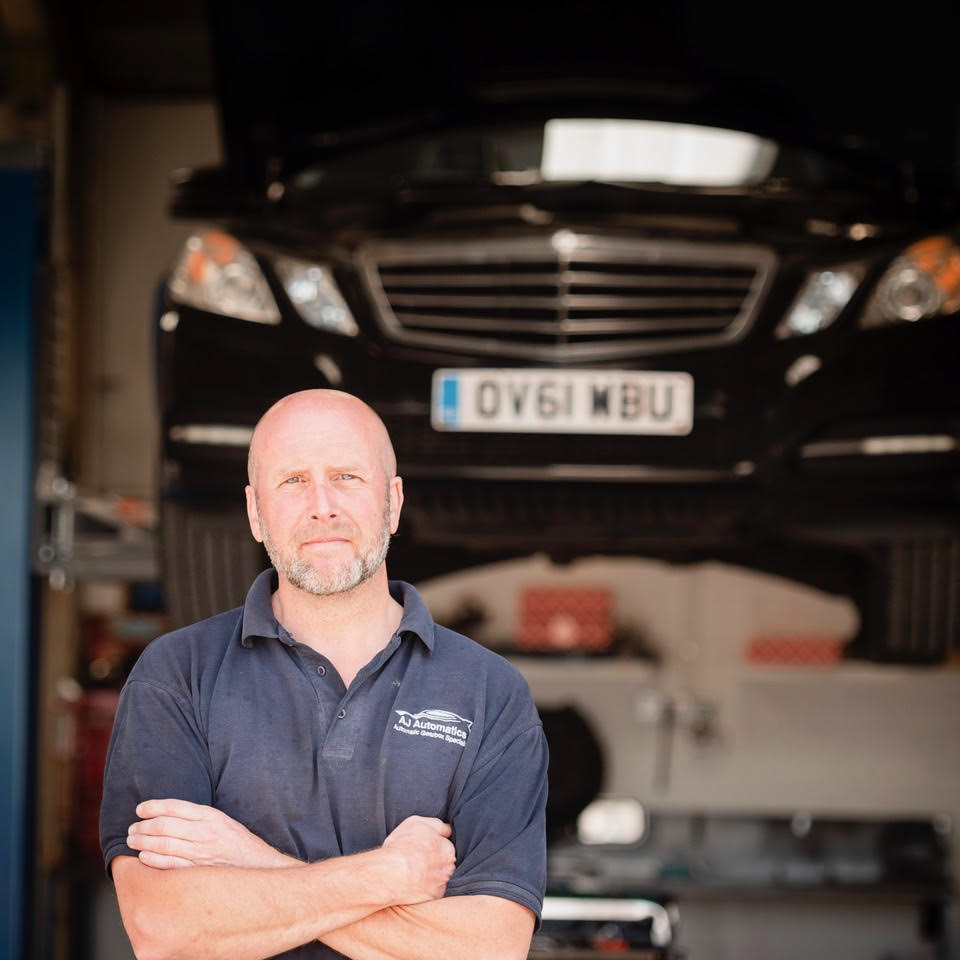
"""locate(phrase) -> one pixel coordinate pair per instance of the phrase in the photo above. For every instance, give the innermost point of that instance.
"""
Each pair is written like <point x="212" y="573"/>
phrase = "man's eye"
<point x="348" y="476"/>
<point x="293" y="480"/>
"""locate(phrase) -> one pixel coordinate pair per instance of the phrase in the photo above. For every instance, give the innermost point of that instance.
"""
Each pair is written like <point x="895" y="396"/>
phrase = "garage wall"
<point x="131" y="239"/>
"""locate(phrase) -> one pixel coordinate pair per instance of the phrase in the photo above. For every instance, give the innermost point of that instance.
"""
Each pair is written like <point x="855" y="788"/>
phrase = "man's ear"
<point x="252" y="517"/>
<point x="396" y="502"/>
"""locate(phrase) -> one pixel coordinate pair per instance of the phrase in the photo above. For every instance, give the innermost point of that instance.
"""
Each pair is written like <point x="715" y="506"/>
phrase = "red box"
<point x="95" y="713"/>
<point x="796" y="651"/>
<point x="566" y="619"/>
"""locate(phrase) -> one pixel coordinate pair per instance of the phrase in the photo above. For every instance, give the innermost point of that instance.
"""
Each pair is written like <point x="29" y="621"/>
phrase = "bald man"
<point x="325" y="770"/>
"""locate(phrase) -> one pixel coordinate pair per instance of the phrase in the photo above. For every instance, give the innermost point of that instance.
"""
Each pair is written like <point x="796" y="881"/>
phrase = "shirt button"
<point x="321" y="669"/>
<point x="341" y="714"/>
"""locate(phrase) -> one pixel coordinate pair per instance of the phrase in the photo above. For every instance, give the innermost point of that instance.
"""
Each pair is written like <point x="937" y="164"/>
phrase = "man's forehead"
<point x="320" y="423"/>
<point x="317" y="442"/>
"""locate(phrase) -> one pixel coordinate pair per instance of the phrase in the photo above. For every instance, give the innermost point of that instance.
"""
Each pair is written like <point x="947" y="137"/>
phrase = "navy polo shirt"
<point x="233" y="712"/>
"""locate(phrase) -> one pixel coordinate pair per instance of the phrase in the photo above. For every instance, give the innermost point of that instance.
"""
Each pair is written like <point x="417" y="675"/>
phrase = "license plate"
<point x="511" y="400"/>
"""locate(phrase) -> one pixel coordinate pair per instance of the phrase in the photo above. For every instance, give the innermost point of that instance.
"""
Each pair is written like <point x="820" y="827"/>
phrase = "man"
<point x="343" y="776"/>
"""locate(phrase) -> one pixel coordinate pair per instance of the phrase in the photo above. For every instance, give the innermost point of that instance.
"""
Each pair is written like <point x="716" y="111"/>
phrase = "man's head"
<point x="323" y="496"/>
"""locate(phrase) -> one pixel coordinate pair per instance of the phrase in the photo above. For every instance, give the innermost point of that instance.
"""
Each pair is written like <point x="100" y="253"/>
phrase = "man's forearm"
<point x="240" y="913"/>
<point x="455" y="928"/>
<point x="248" y="900"/>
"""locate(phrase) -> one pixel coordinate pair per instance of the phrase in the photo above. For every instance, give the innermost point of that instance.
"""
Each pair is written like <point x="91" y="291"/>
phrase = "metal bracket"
<point x="667" y="712"/>
<point x="83" y="536"/>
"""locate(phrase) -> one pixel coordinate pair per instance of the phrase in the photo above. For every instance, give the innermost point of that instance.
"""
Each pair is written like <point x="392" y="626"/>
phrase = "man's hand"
<point x="177" y="833"/>
<point x="425" y="859"/>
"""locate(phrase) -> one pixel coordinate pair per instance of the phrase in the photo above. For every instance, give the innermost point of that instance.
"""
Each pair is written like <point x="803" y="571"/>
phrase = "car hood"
<point x="300" y="82"/>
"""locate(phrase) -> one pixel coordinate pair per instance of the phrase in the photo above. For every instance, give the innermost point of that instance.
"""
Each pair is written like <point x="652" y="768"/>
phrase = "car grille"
<point x="566" y="296"/>
<point x="209" y="559"/>
<point x="923" y="601"/>
<point x="478" y="515"/>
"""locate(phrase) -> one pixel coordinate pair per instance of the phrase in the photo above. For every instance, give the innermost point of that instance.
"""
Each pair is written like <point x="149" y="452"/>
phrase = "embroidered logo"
<point x="437" y="724"/>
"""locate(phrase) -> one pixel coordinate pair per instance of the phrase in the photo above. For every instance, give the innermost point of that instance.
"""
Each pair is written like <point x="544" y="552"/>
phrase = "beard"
<point x="312" y="578"/>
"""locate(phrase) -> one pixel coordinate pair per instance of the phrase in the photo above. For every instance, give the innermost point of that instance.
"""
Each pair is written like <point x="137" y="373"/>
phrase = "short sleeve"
<point x="499" y="825"/>
<point x="156" y="751"/>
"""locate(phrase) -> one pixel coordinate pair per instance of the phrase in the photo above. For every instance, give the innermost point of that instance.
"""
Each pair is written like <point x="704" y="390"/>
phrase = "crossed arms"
<point x="251" y="901"/>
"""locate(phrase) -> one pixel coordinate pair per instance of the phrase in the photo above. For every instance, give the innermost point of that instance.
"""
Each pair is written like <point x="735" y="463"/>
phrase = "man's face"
<point x="322" y="578"/>
<point x="322" y="505"/>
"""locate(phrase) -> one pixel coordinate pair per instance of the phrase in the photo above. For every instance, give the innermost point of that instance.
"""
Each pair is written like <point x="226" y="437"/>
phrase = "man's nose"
<point x="323" y="505"/>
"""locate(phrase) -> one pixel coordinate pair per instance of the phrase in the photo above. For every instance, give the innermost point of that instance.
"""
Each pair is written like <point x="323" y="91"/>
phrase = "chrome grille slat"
<point x="565" y="296"/>
<point x="444" y="300"/>
<point x="585" y="278"/>
<point x="467" y="280"/>
<point x="479" y="324"/>
<point x="572" y="301"/>
<point x="582" y="325"/>
<point x="572" y="325"/>
<point x="573" y="278"/>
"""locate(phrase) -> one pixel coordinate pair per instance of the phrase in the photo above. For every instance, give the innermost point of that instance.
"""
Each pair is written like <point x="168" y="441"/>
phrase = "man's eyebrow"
<point x="346" y="467"/>
<point x="287" y="471"/>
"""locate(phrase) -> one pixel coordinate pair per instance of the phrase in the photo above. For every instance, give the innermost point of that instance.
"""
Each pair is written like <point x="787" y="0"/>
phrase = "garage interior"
<point x="766" y="778"/>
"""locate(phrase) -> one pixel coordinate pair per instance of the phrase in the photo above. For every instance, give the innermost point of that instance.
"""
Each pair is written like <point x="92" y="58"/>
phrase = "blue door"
<point x="19" y="213"/>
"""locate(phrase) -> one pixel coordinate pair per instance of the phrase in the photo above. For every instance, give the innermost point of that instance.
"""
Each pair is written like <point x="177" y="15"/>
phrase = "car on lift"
<point x="597" y="312"/>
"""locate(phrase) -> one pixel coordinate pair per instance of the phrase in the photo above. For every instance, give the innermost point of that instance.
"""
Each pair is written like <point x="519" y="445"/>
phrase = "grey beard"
<point x="303" y="575"/>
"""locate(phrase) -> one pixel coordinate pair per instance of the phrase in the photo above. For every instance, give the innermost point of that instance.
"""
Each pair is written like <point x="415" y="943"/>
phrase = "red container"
<point x="95" y="712"/>
<point x="566" y="619"/>
<point x="796" y="651"/>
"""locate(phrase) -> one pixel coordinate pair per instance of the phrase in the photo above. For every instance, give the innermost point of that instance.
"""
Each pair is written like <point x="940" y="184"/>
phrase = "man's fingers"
<point x="163" y="862"/>
<point x="444" y="829"/>
<point x="166" y="827"/>
<point x="166" y="846"/>
<point x="170" y="807"/>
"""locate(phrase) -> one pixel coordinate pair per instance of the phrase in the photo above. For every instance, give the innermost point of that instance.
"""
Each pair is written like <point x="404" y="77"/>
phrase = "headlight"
<point x="923" y="282"/>
<point x="312" y="291"/>
<point x="820" y="301"/>
<point x="217" y="273"/>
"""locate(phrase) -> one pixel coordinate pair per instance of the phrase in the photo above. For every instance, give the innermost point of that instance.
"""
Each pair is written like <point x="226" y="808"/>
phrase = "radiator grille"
<point x="474" y="514"/>
<point x="566" y="296"/>
<point x="923" y="600"/>
<point x="209" y="560"/>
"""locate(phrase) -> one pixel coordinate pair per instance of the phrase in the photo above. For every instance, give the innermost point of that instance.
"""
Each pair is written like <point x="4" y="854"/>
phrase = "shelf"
<point x="688" y="891"/>
<point x="849" y="672"/>
<point x="605" y="669"/>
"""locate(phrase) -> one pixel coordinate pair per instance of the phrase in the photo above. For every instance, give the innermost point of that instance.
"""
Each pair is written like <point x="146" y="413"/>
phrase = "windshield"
<point x="564" y="150"/>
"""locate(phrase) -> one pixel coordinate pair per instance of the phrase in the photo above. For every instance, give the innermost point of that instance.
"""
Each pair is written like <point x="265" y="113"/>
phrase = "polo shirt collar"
<point x="259" y="622"/>
<point x="416" y="617"/>
<point x="258" y="619"/>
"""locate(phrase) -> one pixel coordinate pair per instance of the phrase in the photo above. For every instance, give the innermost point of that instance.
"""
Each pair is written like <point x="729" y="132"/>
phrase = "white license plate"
<point x="511" y="400"/>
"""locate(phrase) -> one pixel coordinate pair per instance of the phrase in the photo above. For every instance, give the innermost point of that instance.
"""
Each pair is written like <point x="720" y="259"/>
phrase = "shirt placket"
<point x="340" y="709"/>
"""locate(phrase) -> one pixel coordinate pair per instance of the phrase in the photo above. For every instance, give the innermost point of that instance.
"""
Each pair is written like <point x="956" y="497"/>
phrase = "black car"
<point x="598" y="315"/>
